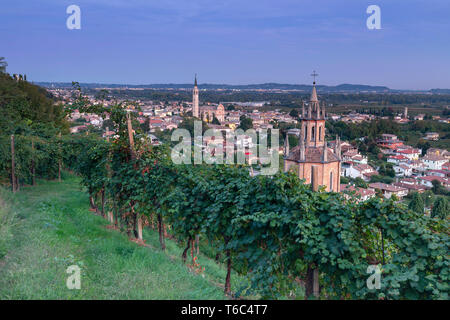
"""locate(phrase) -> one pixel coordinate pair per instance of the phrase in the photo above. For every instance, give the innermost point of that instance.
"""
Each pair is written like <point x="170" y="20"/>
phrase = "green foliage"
<point x="416" y="204"/>
<point x="215" y="120"/>
<point x="188" y="124"/>
<point x="246" y="123"/>
<point x="272" y="228"/>
<point x="293" y="113"/>
<point x="438" y="188"/>
<point x="3" y="64"/>
<point x="441" y="208"/>
<point x="25" y="106"/>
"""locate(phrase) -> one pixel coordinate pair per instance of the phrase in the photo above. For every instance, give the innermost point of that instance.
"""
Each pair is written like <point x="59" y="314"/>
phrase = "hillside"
<point x="25" y="106"/>
<point x="54" y="229"/>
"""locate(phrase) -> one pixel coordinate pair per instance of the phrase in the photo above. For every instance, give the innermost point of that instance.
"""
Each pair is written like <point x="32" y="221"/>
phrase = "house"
<point x="78" y="129"/>
<point x="446" y="166"/>
<point x="389" y="190"/>
<point x="431" y="136"/>
<point x="397" y="159"/>
<point x="428" y="181"/>
<point x="438" y="173"/>
<point x="352" y="155"/>
<point x="154" y="140"/>
<point x="403" y="170"/>
<point x="360" y="193"/>
<point x="417" y="165"/>
<point x="410" y="184"/>
<point x="410" y="153"/>
<point x="389" y="137"/>
<point x="419" y="117"/>
<point x="434" y="162"/>
<point x="389" y="141"/>
<point x="438" y="152"/>
<point x="354" y="170"/>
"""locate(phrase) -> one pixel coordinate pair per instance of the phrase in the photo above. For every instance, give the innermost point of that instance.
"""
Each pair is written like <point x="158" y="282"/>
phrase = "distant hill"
<point x="440" y="91"/>
<point x="263" y="86"/>
<point x="341" y="88"/>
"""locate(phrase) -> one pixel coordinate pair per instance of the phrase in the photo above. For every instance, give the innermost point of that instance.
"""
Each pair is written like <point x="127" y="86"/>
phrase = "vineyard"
<point x="274" y="230"/>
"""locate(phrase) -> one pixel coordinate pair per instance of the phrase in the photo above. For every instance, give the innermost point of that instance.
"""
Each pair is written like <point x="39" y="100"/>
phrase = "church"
<point x="206" y="112"/>
<point x="312" y="149"/>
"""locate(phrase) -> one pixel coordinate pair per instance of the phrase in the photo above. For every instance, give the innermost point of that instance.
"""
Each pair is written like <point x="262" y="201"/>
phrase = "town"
<point x="398" y="170"/>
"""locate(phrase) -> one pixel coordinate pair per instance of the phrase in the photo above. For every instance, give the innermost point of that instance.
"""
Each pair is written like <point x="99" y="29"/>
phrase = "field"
<point x="52" y="228"/>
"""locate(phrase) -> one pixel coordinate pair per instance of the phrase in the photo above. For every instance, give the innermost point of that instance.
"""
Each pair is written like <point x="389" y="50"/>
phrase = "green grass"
<point x="54" y="229"/>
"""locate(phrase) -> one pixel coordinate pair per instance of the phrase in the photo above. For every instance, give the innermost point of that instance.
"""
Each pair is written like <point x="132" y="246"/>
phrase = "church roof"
<point x="312" y="154"/>
<point x="314" y="95"/>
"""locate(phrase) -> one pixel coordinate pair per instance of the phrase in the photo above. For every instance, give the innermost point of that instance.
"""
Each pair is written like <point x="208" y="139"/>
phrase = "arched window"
<point x="313" y="133"/>
<point x="331" y="181"/>
<point x="320" y="133"/>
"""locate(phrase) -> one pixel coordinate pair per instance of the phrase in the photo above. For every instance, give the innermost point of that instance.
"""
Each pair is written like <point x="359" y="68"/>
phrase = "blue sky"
<point x="229" y="41"/>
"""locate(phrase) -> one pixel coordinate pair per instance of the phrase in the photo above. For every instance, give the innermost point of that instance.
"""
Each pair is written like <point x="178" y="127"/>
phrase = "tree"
<point x="424" y="145"/>
<point x="428" y="198"/>
<point x="293" y="113"/>
<point x="246" y="123"/>
<point x="3" y="64"/>
<point x="437" y="187"/>
<point x="188" y="123"/>
<point x="215" y="120"/>
<point x="417" y="203"/>
<point x="440" y="208"/>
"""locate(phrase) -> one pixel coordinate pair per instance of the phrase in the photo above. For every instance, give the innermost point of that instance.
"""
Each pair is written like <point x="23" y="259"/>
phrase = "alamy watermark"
<point x="374" y="20"/>
<point x="227" y="147"/>
<point x="374" y="280"/>
<point x="74" y="280"/>
<point x="74" y="20"/>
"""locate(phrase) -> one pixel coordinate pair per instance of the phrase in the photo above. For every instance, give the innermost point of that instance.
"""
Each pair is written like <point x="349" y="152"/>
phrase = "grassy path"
<point x="54" y="229"/>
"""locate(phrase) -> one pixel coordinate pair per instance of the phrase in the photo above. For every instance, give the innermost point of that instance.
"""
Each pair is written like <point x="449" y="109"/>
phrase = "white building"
<point x="434" y="162"/>
<point x="352" y="170"/>
<point x="402" y="170"/>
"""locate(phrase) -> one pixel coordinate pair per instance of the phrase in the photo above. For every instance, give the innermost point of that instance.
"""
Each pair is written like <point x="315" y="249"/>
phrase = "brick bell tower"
<point x="312" y="148"/>
<point x="195" y="100"/>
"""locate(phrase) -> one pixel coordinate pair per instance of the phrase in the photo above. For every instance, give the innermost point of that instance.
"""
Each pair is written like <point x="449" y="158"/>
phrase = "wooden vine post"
<point x="133" y="157"/>
<point x="197" y="243"/>
<point x="59" y="160"/>
<point x="130" y="135"/>
<point x="13" y="165"/>
<point x="108" y="169"/>
<point x="140" y="224"/>
<point x="33" y="168"/>
<point x="312" y="274"/>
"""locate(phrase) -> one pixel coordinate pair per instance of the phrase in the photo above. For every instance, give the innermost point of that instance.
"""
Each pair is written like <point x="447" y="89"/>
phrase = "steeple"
<point x="314" y="101"/>
<point x="314" y="93"/>
<point x="195" y="100"/>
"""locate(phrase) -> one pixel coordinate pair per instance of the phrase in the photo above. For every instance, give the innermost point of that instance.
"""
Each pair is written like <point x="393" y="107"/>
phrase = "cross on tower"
<point x="314" y="75"/>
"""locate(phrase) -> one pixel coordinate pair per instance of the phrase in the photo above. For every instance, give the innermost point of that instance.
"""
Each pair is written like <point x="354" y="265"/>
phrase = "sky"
<point x="229" y="42"/>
